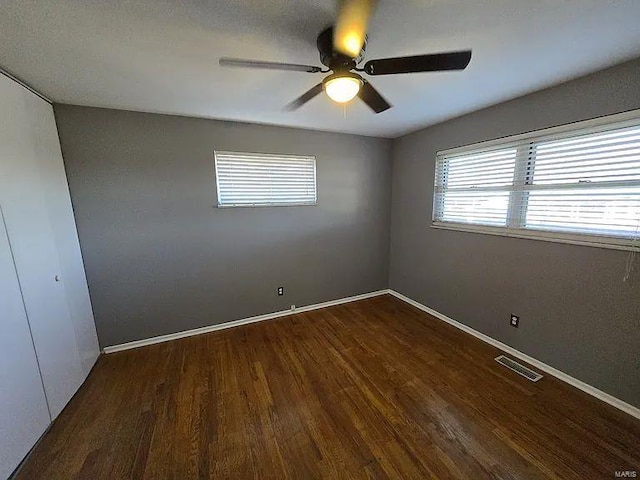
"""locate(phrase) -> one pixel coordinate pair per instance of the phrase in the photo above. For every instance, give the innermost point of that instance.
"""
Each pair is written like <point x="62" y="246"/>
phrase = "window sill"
<point x="596" y="241"/>
<point x="266" y="205"/>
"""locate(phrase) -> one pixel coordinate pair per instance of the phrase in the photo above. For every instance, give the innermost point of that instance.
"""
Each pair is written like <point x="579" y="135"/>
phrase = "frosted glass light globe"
<point x="342" y="89"/>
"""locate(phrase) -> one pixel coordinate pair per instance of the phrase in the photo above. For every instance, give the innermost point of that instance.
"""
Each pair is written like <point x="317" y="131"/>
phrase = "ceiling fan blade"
<point x="373" y="99"/>
<point x="351" y="26"/>
<point x="305" y="97"/>
<point x="292" y="67"/>
<point x="420" y="63"/>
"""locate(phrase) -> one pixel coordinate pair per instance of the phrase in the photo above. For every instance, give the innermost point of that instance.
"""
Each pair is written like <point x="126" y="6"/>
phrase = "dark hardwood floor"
<point x="370" y="389"/>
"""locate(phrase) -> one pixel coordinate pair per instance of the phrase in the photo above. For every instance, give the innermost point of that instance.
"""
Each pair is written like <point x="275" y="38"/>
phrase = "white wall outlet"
<point x="293" y="307"/>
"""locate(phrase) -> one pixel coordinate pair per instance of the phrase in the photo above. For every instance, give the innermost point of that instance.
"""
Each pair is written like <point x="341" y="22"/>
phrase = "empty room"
<point x="339" y="239"/>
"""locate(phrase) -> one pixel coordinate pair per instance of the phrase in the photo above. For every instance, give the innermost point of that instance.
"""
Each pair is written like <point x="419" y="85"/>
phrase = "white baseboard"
<point x="236" y="323"/>
<point x="599" y="394"/>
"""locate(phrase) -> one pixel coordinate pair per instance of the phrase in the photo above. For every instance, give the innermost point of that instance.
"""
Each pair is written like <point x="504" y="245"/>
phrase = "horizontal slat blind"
<point x="258" y="179"/>
<point x="582" y="181"/>
<point x="475" y="187"/>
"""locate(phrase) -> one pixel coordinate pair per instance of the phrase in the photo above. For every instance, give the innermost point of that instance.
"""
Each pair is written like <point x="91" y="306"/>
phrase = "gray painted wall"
<point x="576" y="312"/>
<point x="161" y="258"/>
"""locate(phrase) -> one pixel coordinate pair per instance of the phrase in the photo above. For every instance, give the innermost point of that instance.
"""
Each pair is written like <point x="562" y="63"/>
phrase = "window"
<point x="577" y="183"/>
<point x="259" y="179"/>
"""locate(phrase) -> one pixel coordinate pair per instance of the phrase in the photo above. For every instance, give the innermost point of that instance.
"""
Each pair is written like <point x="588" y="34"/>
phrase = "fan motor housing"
<point x="335" y="60"/>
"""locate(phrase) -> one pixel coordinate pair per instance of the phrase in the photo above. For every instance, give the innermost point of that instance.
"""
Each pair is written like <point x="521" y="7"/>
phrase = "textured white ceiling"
<point x="162" y="55"/>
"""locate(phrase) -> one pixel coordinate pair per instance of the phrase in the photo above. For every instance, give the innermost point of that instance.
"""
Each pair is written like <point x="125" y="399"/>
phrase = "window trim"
<point x="266" y="205"/>
<point x="621" y="120"/>
<point x="585" y="239"/>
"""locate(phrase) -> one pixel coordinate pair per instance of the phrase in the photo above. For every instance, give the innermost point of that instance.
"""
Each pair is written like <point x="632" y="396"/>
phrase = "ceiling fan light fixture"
<point x="342" y="88"/>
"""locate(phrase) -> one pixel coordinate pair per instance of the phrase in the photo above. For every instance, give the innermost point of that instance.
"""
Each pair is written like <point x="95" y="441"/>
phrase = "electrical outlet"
<point x="515" y="321"/>
<point x="293" y="307"/>
<point x="280" y="291"/>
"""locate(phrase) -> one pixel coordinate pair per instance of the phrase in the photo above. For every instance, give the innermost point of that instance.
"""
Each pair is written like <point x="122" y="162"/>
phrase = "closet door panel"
<point x="34" y="250"/>
<point x="23" y="408"/>
<point x="58" y="202"/>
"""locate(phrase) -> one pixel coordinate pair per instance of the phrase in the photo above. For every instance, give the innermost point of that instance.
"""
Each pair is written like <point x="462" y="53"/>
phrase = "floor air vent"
<point x="519" y="369"/>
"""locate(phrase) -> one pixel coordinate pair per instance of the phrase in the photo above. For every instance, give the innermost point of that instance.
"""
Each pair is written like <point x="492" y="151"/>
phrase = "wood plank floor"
<point x="370" y="389"/>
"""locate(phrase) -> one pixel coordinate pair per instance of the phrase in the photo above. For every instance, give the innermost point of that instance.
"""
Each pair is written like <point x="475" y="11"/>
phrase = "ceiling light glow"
<point x="342" y="89"/>
<point x="352" y="44"/>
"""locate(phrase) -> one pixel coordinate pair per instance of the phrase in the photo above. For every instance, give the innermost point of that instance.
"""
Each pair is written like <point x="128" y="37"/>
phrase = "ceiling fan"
<point x="341" y="50"/>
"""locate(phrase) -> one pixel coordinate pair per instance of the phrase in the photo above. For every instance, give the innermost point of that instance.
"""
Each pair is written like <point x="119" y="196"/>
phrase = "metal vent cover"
<point x="518" y="368"/>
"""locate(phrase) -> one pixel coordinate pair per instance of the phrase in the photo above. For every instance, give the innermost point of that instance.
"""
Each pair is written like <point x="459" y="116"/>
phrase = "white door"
<point x="23" y="407"/>
<point x="35" y="254"/>
<point x="58" y="202"/>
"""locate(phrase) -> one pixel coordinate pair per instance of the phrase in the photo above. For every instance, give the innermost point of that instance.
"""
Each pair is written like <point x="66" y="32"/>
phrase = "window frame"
<point x="595" y="125"/>
<point x="265" y="204"/>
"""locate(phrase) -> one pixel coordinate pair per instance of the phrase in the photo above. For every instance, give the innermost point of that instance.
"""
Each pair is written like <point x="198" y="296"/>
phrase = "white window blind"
<point x="579" y="182"/>
<point x="475" y="187"/>
<point x="259" y="179"/>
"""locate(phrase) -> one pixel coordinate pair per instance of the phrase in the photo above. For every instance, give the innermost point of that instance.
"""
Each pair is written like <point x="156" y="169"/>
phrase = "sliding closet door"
<point x="23" y="408"/>
<point x="34" y="249"/>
